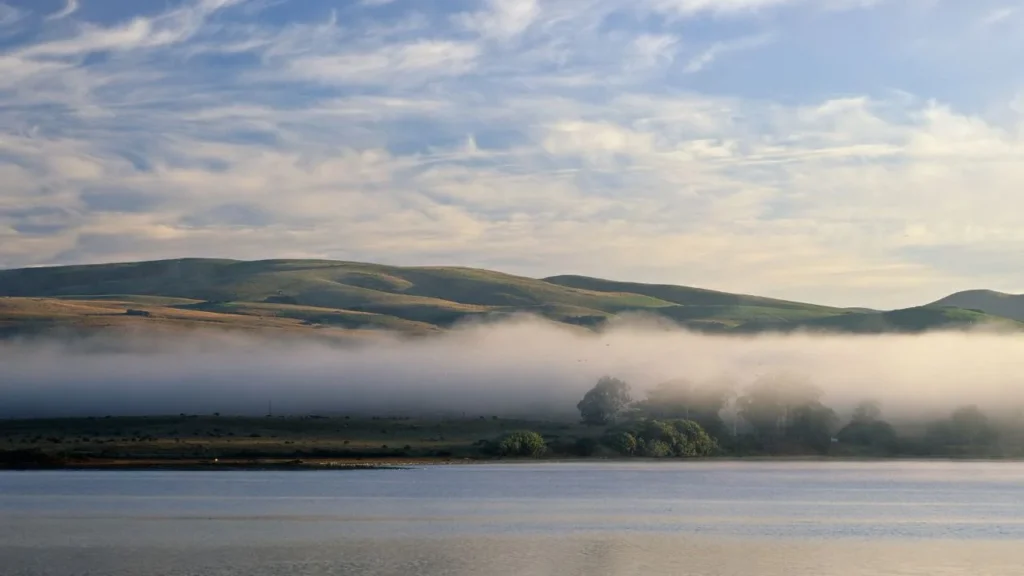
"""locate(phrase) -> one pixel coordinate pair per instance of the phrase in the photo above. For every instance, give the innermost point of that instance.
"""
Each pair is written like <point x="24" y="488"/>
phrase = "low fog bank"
<point x="522" y="367"/>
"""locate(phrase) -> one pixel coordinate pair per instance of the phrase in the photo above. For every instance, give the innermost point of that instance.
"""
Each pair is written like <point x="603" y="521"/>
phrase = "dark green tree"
<point x="622" y="442"/>
<point x="522" y="443"/>
<point x="604" y="402"/>
<point x="662" y="439"/>
<point x="811" y="424"/>
<point x="867" y="431"/>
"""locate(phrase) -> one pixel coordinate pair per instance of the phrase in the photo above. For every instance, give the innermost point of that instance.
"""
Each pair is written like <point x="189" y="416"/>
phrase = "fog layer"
<point x="519" y="367"/>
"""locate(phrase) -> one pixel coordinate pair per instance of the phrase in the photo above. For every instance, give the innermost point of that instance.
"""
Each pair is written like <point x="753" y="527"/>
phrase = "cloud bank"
<point x="514" y="368"/>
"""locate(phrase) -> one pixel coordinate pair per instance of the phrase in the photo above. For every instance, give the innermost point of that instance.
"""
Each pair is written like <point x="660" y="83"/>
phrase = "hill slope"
<point x="906" y="321"/>
<point x="336" y="298"/>
<point x="988" y="301"/>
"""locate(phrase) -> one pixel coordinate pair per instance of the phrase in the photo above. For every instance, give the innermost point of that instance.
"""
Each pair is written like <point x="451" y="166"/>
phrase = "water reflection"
<point x="605" y="555"/>
<point x="708" y="519"/>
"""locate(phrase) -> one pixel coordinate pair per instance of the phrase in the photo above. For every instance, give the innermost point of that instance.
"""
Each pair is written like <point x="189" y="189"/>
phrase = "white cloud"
<point x="740" y="7"/>
<point x="650" y="50"/>
<point x="502" y="19"/>
<point x="997" y="16"/>
<point x="708" y="56"/>
<point x="70" y="8"/>
<point x="168" y="28"/>
<point x="394" y="63"/>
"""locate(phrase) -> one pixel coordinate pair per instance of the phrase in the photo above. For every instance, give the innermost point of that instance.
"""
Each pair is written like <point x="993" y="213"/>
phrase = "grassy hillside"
<point x="989" y="302"/>
<point x="683" y="295"/>
<point x="29" y="316"/>
<point x="907" y="321"/>
<point x="336" y="298"/>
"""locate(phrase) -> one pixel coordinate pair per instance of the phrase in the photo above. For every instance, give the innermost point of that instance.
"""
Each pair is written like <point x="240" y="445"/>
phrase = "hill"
<point x="339" y="299"/>
<point x="906" y="321"/>
<point x="989" y="302"/>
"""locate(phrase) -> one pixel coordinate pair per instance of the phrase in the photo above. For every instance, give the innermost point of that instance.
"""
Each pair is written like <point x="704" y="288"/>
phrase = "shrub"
<point x="522" y="443"/>
<point x="657" y="449"/>
<point x="622" y="442"/>
<point x="660" y="439"/>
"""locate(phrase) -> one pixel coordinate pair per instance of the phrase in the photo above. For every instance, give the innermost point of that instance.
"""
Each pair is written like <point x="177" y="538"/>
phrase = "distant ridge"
<point x="989" y="302"/>
<point x="334" y="298"/>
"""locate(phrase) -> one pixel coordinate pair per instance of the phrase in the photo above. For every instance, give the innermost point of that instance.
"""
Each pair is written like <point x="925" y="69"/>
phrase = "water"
<point x="708" y="519"/>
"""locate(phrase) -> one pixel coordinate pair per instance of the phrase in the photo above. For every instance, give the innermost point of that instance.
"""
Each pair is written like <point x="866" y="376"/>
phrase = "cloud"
<point x="997" y="16"/>
<point x="650" y="50"/>
<point x="742" y="7"/>
<point x="70" y="8"/>
<point x="502" y="19"/>
<point x="708" y="56"/>
<point x="139" y="33"/>
<point x="397" y="63"/>
<point x="10" y="15"/>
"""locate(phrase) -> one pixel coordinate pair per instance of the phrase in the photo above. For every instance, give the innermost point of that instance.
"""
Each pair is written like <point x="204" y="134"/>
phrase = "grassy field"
<point x="189" y="438"/>
<point x="345" y="299"/>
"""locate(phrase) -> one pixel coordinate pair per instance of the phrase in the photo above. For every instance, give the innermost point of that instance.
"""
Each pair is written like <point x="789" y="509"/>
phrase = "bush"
<point x="622" y="442"/>
<point x="661" y="439"/>
<point x="522" y="443"/>
<point x="657" y="449"/>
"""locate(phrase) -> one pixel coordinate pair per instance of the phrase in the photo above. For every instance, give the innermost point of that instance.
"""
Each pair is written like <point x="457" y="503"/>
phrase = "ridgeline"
<point x="354" y="300"/>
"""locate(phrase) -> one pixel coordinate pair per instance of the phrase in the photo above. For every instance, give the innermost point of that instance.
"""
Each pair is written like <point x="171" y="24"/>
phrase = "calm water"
<point x="750" y="519"/>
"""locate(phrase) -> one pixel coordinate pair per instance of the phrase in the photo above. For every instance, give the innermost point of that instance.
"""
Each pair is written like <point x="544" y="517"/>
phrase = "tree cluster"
<point x="776" y="414"/>
<point x="661" y="439"/>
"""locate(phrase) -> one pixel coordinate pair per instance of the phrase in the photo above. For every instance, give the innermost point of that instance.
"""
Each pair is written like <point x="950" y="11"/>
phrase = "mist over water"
<point x="519" y="367"/>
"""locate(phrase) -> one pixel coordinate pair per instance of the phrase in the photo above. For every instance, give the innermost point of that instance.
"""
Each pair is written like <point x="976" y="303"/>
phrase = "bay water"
<point x="607" y="519"/>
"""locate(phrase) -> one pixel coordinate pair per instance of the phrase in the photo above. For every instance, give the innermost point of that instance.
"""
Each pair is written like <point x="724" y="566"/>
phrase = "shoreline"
<point x="240" y="464"/>
<point x="325" y="464"/>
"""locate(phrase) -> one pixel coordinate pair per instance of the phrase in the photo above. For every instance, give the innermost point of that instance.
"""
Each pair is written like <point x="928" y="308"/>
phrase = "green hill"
<point x="340" y="298"/>
<point x="906" y="321"/>
<point x="699" y="308"/>
<point x="989" y="302"/>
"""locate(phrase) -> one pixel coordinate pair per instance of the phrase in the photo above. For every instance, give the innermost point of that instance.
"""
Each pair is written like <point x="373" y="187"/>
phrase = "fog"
<point x="519" y="367"/>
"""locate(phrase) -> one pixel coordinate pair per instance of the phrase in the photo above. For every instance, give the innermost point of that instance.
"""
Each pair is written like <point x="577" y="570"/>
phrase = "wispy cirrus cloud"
<point x="997" y="16"/>
<point x="746" y="7"/>
<point x="70" y="8"/>
<point x="502" y="19"/>
<point x="708" y="55"/>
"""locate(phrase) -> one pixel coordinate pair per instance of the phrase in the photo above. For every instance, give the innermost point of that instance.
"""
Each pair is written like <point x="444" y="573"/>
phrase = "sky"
<point x="846" y="152"/>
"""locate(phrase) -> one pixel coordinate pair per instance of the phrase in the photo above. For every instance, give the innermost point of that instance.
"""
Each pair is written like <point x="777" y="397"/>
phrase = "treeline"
<point x="781" y="415"/>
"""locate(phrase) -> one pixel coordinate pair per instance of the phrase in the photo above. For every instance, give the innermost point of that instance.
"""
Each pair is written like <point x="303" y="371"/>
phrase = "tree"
<point x="868" y="431"/>
<point x="812" y="424"/>
<point x="622" y="442"/>
<point x="522" y="443"/>
<point x="768" y="403"/>
<point x="783" y="407"/>
<point x="867" y="411"/>
<point x="681" y="399"/>
<point x="662" y="439"/>
<point x="966" y="431"/>
<point x="604" y="401"/>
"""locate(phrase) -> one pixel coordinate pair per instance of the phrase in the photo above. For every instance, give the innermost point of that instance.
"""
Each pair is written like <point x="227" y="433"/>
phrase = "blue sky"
<point x="852" y="152"/>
